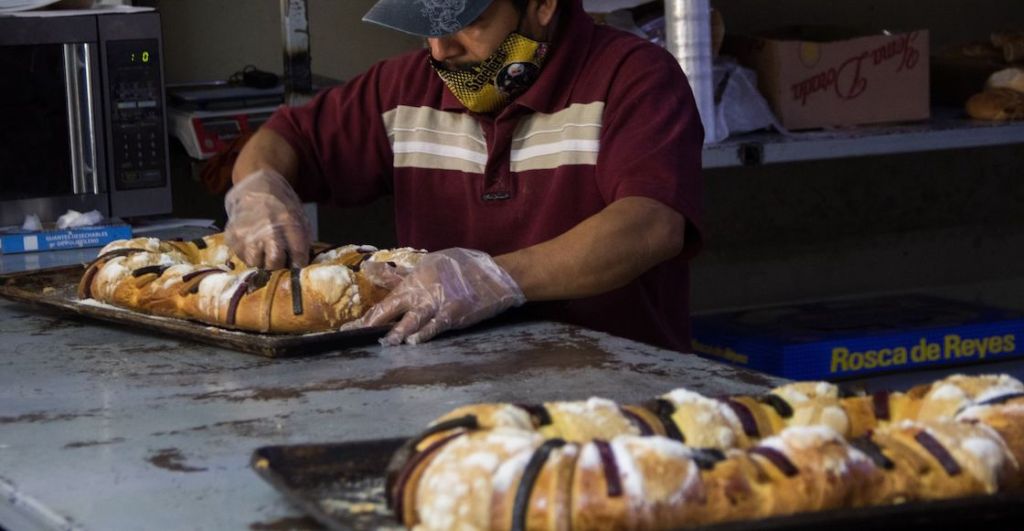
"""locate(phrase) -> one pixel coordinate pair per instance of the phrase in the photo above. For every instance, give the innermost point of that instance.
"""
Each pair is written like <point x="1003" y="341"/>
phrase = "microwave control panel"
<point x="137" y="114"/>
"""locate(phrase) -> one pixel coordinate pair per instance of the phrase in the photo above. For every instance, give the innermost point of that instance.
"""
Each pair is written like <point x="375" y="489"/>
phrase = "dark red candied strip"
<point x="259" y="279"/>
<point x="847" y="392"/>
<point x="880" y="404"/>
<point x="521" y="503"/>
<point x="194" y="288"/>
<point x="638" y="421"/>
<point x="236" y="297"/>
<point x="296" y="291"/>
<point x="539" y="414"/>
<point x="663" y="409"/>
<point x="777" y="458"/>
<point x="707" y="458"/>
<point x="90" y="274"/>
<point x="150" y="270"/>
<point x="610" y="468"/>
<point x="402" y="456"/>
<point x="1001" y="399"/>
<point x="777" y="403"/>
<point x="872" y="450"/>
<point x="363" y="257"/>
<point x="398" y="496"/>
<point x="187" y="277"/>
<point x="323" y="251"/>
<point x="940" y="453"/>
<point x="745" y="416"/>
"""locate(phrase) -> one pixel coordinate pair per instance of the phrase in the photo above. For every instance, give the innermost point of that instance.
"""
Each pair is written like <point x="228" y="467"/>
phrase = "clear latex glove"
<point x="384" y="275"/>
<point x="267" y="226"/>
<point x="447" y="290"/>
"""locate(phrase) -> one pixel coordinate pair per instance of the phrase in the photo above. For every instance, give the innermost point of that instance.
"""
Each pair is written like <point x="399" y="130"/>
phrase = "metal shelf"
<point x="948" y="129"/>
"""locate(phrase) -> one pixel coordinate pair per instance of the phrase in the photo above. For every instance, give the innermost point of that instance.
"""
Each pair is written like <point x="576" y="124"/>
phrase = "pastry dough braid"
<point x="684" y="459"/>
<point x="204" y="281"/>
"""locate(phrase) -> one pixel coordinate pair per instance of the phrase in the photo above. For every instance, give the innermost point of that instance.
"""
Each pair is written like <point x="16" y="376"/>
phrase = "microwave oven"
<point x="82" y="116"/>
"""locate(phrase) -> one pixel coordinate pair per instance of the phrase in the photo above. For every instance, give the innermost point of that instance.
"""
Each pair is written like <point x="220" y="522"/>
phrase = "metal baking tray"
<point x="341" y="485"/>
<point x="57" y="288"/>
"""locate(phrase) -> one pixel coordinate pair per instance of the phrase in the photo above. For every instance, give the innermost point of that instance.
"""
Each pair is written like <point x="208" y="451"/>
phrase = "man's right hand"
<point x="267" y="226"/>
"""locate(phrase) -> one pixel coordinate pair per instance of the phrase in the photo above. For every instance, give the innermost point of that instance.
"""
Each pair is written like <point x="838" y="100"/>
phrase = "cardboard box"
<point x="825" y="77"/>
<point x="844" y="339"/>
<point x="13" y="241"/>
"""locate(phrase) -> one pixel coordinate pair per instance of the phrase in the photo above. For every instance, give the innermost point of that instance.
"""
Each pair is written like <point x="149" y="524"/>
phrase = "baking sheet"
<point x="57" y="288"/>
<point x="341" y="485"/>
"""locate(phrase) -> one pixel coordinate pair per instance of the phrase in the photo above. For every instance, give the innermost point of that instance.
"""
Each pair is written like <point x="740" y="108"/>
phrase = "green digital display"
<point x="141" y="56"/>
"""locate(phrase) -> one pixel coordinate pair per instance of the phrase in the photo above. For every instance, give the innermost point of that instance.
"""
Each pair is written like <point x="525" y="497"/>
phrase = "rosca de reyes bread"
<point x="684" y="459"/>
<point x="204" y="281"/>
<point x="997" y="105"/>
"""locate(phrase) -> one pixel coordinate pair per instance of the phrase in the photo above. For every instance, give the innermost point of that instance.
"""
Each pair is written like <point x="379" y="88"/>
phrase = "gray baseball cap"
<point x="426" y="18"/>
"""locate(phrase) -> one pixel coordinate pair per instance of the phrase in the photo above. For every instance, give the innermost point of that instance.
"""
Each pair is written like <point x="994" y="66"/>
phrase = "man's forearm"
<point x="605" y="251"/>
<point x="266" y="150"/>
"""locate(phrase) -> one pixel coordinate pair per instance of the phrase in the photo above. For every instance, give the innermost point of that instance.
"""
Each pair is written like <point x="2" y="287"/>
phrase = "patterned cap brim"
<point x="426" y="18"/>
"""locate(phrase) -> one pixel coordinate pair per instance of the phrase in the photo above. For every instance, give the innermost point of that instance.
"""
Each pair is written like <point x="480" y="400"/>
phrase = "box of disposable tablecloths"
<point x="16" y="240"/>
<point x="853" y="338"/>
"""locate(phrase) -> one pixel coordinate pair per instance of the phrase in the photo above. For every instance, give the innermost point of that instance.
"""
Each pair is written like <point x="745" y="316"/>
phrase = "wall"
<point x="208" y="40"/>
<point x="949" y="21"/>
<point x="946" y="222"/>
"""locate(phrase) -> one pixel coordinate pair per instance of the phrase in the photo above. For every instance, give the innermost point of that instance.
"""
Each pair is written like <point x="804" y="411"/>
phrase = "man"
<point x="565" y="155"/>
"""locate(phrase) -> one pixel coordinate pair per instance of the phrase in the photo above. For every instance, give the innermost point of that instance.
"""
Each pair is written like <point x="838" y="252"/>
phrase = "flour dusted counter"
<point x="103" y="427"/>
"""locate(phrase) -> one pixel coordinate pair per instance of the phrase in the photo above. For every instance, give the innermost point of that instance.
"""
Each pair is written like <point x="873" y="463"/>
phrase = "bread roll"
<point x="996" y="105"/>
<point x="1007" y="78"/>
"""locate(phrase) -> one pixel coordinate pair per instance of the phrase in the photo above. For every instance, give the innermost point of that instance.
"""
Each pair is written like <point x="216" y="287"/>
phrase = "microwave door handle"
<point x="78" y="92"/>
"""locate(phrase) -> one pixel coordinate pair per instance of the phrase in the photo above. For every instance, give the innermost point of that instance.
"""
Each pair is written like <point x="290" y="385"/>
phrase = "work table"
<point x="105" y="427"/>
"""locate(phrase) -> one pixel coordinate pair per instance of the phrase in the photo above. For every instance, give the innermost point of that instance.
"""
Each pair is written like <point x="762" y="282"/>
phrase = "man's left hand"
<point x="447" y="290"/>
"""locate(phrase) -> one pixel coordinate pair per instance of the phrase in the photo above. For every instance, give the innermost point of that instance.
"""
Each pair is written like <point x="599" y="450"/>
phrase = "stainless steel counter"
<point x="108" y="428"/>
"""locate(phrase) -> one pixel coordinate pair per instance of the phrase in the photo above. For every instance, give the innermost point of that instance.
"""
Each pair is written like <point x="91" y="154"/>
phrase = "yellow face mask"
<point x="494" y="82"/>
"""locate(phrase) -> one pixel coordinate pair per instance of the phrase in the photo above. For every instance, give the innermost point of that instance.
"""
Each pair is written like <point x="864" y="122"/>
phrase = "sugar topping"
<point x="512" y="417"/>
<point x="589" y="458"/>
<point x="632" y="480"/>
<point x="946" y="392"/>
<point x="334" y="254"/>
<point x="330" y="281"/>
<point x="980" y="412"/>
<point x="403" y="257"/>
<point x="221" y="254"/>
<point x="1000" y="389"/>
<point x="488" y="460"/>
<point x="666" y="448"/>
<point x="826" y="389"/>
<point x="791" y="395"/>
<point x="708" y="406"/>
<point x="835" y="417"/>
<point x="510" y="471"/>
<point x="588" y="407"/>
<point x="804" y="437"/>
<point x="212" y="289"/>
<point x="988" y="453"/>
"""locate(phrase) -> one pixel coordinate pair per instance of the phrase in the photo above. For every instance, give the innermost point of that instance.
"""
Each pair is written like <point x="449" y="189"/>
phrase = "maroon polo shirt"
<point x="611" y="116"/>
